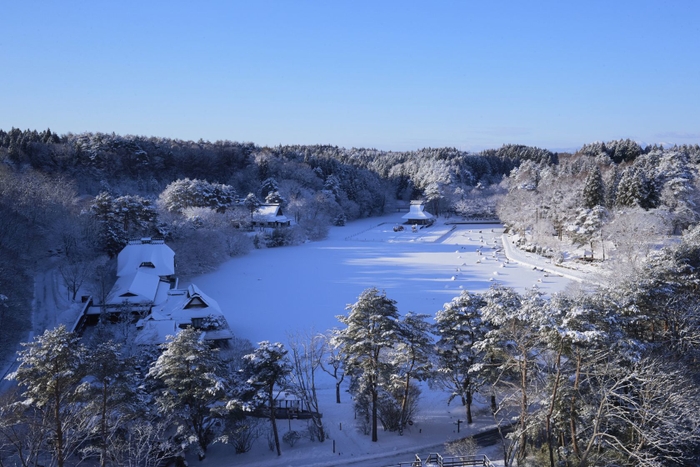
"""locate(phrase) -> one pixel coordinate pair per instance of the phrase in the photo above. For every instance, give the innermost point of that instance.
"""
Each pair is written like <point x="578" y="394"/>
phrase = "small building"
<point x="417" y="215"/>
<point x="270" y="215"/>
<point x="288" y="405"/>
<point x="145" y="273"/>
<point x="184" y="308"/>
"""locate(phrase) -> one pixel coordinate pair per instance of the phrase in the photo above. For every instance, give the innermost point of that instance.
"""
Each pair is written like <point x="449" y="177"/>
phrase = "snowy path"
<point x="545" y="264"/>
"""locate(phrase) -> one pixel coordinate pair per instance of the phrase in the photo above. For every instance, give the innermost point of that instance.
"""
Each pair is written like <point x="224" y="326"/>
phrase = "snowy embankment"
<point x="579" y="274"/>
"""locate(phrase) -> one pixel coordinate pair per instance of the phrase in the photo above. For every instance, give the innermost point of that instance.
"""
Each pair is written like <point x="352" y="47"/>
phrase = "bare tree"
<point x="332" y="363"/>
<point x="646" y="414"/>
<point x="74" y="273"/>
<point x="306" y="355"/>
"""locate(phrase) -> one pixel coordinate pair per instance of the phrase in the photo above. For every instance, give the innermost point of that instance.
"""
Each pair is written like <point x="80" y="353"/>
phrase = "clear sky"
<point x="393" y="75"/>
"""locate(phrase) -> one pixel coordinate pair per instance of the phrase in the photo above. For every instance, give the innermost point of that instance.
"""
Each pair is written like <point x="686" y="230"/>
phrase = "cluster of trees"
<point x="603" y="377"/>
<point x="610" y="194"/>
<point x="100" y="400"/>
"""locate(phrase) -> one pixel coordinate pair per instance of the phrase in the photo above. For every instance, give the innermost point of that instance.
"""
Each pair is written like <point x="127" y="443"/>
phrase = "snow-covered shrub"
<point x="462" y="447"/>
<point x="313" y="431"/>
<point x="315" y="229"/>
<point x="389" y="407"/>
<point x="291" y="438"/>
<point x="238" y="244"/>
<point x="340" y="220"/>
<point x="280" y="236"/>
<point x="241" y="434"/>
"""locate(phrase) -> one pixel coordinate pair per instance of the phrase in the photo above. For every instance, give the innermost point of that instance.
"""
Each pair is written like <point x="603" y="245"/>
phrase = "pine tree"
<point x="411" y="358"/>
<point x="50" y="370"/>
<point x="512" y="341"/>
<point x="268" y="366"/>
<point x="269" y="185"/>
<point x="594" y="190"/>
<point x="372" y="327"/>
<point x="110" y="392"/>
<point x="252" y="203"/>
<point x="194" y="392"/>
<point x="459" y="327"/>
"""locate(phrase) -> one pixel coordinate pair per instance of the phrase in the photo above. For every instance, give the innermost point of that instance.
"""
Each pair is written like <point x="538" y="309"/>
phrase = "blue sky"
<point x="393" y="75"/>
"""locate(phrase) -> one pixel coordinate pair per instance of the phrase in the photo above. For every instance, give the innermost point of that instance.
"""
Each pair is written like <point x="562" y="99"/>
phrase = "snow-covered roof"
<point x="184" y="304"/>
<point x="147" y="255"/>
<point x="179" y="309"/>
<point x="138" y="287"/>
<point x="269" y="213"/>
<point x="417" y="212"/>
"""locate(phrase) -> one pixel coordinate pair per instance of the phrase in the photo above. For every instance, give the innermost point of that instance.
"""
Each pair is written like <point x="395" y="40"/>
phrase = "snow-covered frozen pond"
<point x="269" y="293"/>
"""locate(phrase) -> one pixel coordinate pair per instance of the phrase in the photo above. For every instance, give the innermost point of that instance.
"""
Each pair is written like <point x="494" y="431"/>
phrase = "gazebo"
<point x="418" y="216"/>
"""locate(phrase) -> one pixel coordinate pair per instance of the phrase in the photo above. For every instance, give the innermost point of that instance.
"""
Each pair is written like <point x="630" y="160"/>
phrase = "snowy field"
<point x="270" y="294"/>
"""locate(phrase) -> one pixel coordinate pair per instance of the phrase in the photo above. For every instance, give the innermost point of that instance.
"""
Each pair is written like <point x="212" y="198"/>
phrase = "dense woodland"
<point x="606" y="375"/>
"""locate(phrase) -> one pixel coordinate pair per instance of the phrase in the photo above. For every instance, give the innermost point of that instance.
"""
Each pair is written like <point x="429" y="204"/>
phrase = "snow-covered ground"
<point x="270" y="294"/>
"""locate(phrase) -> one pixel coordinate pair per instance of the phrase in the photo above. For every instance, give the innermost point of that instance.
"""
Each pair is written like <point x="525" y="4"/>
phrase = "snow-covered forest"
<point x="602" y="374"/>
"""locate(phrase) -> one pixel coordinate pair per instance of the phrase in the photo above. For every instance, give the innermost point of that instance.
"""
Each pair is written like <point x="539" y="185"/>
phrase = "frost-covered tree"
<point x="372" y="328"/>
<point x="146" y="443"/>
<point x="411" y="360"/>
<point x="269" y="185"/>
<point x="50" y="370"/>
<point x="268" y="366"/>
<point x="677" y="179"/>
<point x="122" y="218"/>
<point x="458" y="327"/>
<point x="194" y="391"/>
<point x="274" y="197"/>
<point x="594" y="190"/>
<point x="332" y="362"/>
<point x="512" y="343"/>
<point x="633" y="233"/>
<point x="636" y="189"/>
<point x="252" y="203"/>
<point x="186" y="193"/>
<point x="307" y="354"/>
<point x="587" y="227"/>
<point x="110" y="392"/>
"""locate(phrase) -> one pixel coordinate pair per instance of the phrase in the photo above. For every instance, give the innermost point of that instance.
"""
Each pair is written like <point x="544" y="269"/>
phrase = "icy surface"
<point x="268" y="293"/>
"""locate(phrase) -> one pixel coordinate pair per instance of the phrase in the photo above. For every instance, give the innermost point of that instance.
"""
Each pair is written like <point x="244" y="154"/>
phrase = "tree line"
<point x="611" y="197"/>
<point x="604" y="376"/>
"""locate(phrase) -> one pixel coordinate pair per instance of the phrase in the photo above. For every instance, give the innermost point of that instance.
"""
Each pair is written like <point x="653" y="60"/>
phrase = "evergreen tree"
<point x="252" y="203"/>
<point x="372" y="327"/>
<point x="268" y="366"/>
<point x="459" y="327"/>
<point x="50" y="370"/>
<point x="111" y="393"/>
<point x="269" y="185"/>
<point x="185" y="193"/>
<point x="411" y="359"/>
<point x="594" y="190"/>
<point x="194" y="388"/>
